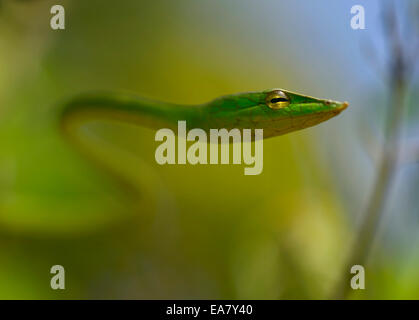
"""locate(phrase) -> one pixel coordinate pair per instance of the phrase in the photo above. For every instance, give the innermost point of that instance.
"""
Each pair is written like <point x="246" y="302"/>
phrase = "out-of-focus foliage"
<point x="188" y="231"/>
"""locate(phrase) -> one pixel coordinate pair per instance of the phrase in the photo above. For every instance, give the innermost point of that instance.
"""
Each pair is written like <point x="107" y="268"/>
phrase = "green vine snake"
<point x="276" y="111"/>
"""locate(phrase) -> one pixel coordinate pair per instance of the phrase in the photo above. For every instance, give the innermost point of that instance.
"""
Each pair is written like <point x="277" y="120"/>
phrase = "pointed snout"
<point x="336" y="106"/>
<point x="344" y="105"/>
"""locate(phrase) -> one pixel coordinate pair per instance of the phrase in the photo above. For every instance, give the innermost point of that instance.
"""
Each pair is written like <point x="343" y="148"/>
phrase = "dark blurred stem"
<point x="385" y="173"/>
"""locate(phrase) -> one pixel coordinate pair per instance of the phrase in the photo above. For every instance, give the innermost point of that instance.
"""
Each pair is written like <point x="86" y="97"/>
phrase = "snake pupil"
<point x="275" y="100"/>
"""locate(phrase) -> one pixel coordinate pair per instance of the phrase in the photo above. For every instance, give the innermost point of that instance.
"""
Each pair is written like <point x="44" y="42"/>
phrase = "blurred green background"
<point x="194" y="232"/>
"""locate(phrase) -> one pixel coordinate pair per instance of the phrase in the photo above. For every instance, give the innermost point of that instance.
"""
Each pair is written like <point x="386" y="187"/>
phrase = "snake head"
<point x="276" y="111"/>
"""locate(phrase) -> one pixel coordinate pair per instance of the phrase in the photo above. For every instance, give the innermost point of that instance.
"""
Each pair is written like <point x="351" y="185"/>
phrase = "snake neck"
<point x="131" y="109"/>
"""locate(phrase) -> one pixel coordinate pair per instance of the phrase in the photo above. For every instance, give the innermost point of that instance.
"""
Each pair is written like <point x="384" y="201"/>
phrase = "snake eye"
<point x="277" y="100"/>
